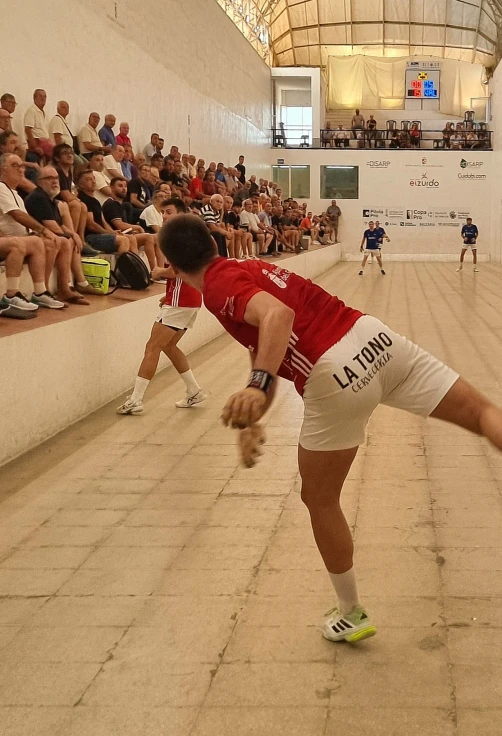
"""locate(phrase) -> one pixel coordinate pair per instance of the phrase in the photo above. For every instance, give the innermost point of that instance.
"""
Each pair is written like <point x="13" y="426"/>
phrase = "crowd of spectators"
<point x="68" y="193"/>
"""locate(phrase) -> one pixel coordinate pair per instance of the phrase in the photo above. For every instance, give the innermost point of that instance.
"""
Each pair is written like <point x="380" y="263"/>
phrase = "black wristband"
<point x="261" y="380"/>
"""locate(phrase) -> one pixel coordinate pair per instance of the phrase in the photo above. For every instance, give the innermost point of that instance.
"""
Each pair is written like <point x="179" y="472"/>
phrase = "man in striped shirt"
<point x="212" y="214"/>
<point x="179" y="310"/>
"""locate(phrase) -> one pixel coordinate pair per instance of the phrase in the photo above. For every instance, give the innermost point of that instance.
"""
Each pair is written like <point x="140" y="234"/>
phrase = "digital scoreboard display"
<point x="421" y="84"/>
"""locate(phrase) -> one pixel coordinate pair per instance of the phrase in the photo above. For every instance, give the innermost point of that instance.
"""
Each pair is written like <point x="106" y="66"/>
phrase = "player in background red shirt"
<point x="343" y="364"/>
<point x="179" y="309"/>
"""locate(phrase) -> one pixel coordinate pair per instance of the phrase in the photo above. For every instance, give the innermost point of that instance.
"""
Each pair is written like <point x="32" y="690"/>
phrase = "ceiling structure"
<point x="306" y="32"/>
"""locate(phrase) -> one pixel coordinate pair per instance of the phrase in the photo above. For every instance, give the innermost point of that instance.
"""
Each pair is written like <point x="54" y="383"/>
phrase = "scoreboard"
<point x="422" y="84"/>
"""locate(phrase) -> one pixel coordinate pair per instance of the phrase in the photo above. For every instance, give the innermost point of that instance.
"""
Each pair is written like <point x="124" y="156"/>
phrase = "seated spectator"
<point x="212" y="167"/>
<point x="36" y="128"/>
<point x="167" y="170"/>
<point x="228" y="219"/>
<point x="357" y="123"/>
<point x="162" y="186"/>
<point x="220" y="173"/>
<point x="59" y="130"/>
<point x="327" y="136"/>
<point x="187" y="168"/>
<point x="457" y="140"/>
<point x="129" y="169"/>
<point x="15" y="221"/>
<point x="241" y="170"/>
<point x="160" y="147"/>
<point x="306" y="224"/>
<point x="106" y="134"/>
<point x="139" y="190"/>
<point x="196" y="185"/>
<point x="212" y="216"/>
<point x="193" y="169"/>
<point x="290" y="230"/>
<point x="88" y="138"/>
<point x="4" y="120"/>
<point x="404" y="139"/>
<point x="371" y="127"/>
<point x="243" y="240"/>
<point x="177" y="181"/>
<point x="14" y="252"/>
<point x="122" y="138"/>
<point x="113" y="162"/>
<point x="98" y="232"/>
<point x="9" y="143"/>
<point x="151" y="147"/>
<point x="43" y="205"/>
<point x="139" y="159"/>
<point x="278" y="194"/>
<point x="253" y="186"/>
<point x="201" y="164"/>
<point x="157" y="160"/>
<point x="101" y="177"/>
<point x="394" y="140"/>
<point x="278" y="229"/>
<point x="117" y="216"/>
<point x="154" y="177"/>
<point x="173" y="153"/>
<point x="151" y="217"/>
<point x="231" y="181"/>
<point x="341" y="137"/>
<point x="447" y="134"/>
<point x="265" y="218"/>
<point x="415" y="136"/>
<point x="63" y="158"/>
<point x="209" y="184"/>
<point x="8" y="103"/>
<point x="251" y="223"/>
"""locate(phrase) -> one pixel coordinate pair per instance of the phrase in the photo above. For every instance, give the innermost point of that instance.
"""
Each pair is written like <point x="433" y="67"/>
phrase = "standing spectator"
<point x="36" y="128"/>
<point x="447" y="134"/>
<point x="113" y="162"/>
<point x="151" y="147"/>
<point x="371" y="126"/>
<point x="122" y="138"/>
<point x="106" y="134"/>
<point x="212" y="216"/>
<point x="241" y="169"/>
<point x="88" y="137"/>
<point x="160" y="146"/>
<point x="334" y="213"/>
<point x="63" y="157"/>
<point x="8" y="103"/>
<point x="196" y="185"/>
<point x="97" y="165"/>
<point x="327" y="136"/>
<point x="98" y="232"/>
<point x="139" y="190"/>
<point x="129" y="169"/>
<point x="341" y="137"/>
<point x="357" y="123"/>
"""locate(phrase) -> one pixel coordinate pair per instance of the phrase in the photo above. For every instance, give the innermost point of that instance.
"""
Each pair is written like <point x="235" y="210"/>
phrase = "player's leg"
<point x="475" y="258"/>
<point x="194" y="393"/>
<point x="335" y="228"/>
<point x="147" y="241"/>
<point x="365" y="258"/>
<point x="462" y="254"/>
<point x="379" y="259"/>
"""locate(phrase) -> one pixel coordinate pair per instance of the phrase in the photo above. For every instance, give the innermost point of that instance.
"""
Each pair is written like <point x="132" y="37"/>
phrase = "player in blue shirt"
<point x="469" y="235"/>
<point x="373" y="244"/>
<point x="381" y="235"/>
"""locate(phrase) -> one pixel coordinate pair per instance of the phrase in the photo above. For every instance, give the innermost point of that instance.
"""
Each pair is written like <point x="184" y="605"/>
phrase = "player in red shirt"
<point x="343" y="364"/>
<point x="179" y="309"/>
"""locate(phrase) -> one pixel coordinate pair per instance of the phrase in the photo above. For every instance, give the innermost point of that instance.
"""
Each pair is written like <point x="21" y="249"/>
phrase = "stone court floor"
<point x="149" y="585"/>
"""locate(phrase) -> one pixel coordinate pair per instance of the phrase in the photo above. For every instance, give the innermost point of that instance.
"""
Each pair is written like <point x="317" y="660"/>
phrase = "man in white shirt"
<point x="151" y="147"/>
<point x="60" y="132"/>
<point x="250" y="222"/>
<point x="88" y="138"/>
<point x="341" y="137"/>
<point x="113" y="162"/>
<point x="151" y="216"/>
<point x="35" y="126"/>
<point x="97" y="166"/>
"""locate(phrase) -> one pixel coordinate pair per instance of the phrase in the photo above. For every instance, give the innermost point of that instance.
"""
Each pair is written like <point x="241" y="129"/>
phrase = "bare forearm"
<point x="274" y="335"/>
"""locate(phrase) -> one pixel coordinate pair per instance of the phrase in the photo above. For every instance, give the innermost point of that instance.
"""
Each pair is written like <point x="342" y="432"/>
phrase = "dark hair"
<point x="187" y="243"/>
<point x="96" y="153"/>
<point x="58" y="150"/>
<point x="82" y="173"/>
<point x="6" y="96"/>
<point x="175" y="202"/>
<point x="4" y="137"/>
<point x="117" y="178"/>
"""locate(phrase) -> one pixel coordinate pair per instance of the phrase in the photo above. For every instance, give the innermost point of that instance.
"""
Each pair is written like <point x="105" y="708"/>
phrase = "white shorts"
<point x="472" y="246"/>
<point x="179" y="318"/>
<point x="370" y="365"/>
<point x="375" y="251"/>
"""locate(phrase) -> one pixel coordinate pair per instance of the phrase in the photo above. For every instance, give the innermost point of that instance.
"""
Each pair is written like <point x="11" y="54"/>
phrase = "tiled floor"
<point x="148" y="585"/>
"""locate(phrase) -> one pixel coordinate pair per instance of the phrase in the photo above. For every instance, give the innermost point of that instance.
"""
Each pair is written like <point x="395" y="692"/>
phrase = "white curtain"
<point x="375" y="83"/>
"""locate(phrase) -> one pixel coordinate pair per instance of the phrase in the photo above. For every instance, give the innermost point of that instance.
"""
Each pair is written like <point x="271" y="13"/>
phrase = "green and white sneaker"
<point x="352" y="627"/>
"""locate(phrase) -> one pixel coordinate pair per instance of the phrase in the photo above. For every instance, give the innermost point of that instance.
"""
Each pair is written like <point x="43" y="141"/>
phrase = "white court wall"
<point x="496" y="193"/>
<point x="157" y="65"/>
<point x="421" y="197"/>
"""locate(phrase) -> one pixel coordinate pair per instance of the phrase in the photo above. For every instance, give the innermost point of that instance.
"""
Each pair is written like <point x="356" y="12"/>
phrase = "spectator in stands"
<point x="415" y="135"/>
<point x="212" y="167"/>
<point x="63" y="157"/>
<point x="151" y="147"/>
<point x="14" y="252"/>
<point x="341" y="137"/>
<point x="201" y="164"/>
<point x="212" y="215"/>
<point x="241" y="169"/>
<point x="279" y="234"/>
<point x="251" y="222"/>
<point x="220" y="173"/>
<point x="15" y="221"/>
<point x="394" y="139"/>
<point x="43" y="205"/>
<point x="129" y="169"/>
<point x="357" y="123"/>
<point x="307" y="225"/>
<point x="122" y="139"/>
<point x="187" y="169"/>
<point x="4" y="120"/>
<point x="9" y="143"/>
<point x="88" y="137"/>
<point x="106" y="134"/>
<point x="173" y="153"/>
<point x="113" y="162"/>
<point x="265" y="218"/>
<point x="8" y="103"/>
<point x="160" y="147"/>
<point x="447" y="134"/>
<point x="36" y="128"/>
<point x="97" y="232"/>
<point x="139" y="190"/>
<point x="139" y="159"/>
<point x="290" y="231"/>
<point x="228" y="217"/>
<point x="178" y="182"/>
<point x="457" y="140"/>
<point x="193" y="169"/>
<point x="151" y="217"/>
<point x="97" y="166"/>
<point x="471" y="139"/>
<point x="231" y="181"/>
<point x="243" y="240"/>
<point x="334" y="213"/>
<point x="154" y="177"/>
<point x="116" y="215"/>
<point x="327" y="136"/>
<point x="253" y="186"/>
<point x="196" y="185"/>
<point x="157" y="160"/>
<point x="209" y="184"/>
<point x="371" y="127"/>
<point x="167" y="170"/>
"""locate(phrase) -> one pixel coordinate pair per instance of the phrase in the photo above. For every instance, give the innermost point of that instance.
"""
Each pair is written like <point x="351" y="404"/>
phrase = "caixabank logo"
<point x="424" y="181"/>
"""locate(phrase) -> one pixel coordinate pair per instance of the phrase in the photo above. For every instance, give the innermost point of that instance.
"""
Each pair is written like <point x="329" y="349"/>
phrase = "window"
<point x="339" y="182"/>
<point x="293" y="180"/>
<point x="297" y="122"/>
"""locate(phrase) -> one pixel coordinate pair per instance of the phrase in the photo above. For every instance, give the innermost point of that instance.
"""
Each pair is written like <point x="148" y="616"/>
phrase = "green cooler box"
<point x="97" y="273"/>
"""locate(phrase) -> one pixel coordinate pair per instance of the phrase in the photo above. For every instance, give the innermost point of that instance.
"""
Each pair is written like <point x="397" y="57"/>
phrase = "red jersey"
<point x="179" y="294"/>
<point x="320" y="320"/>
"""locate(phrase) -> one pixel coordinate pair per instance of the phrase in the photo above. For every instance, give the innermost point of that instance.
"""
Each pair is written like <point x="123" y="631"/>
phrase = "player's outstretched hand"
<point x="250" y="441"/>
<point x="244" y="408"/>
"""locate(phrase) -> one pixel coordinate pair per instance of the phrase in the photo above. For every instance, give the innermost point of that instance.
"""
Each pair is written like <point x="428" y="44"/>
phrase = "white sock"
<point x="140" y="386"/>
<point x="83" y="283"/>
<point x="39" y="287"/>
<point x="190" y="382"/>
<point x="345" y="586"/>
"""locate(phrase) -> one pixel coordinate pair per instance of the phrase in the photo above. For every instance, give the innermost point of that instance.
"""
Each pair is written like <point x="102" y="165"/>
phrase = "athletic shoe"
<point x="88" y="289"/>
<point x="157" y="281"/>
<point x="316" y="242"/>
<point x="382" y="272"/>
<point x="189" y="401"/>
<point x="459" y="268"/>
<point x="47" y="300"/>
<point x="476" y="270"/>
<point x="20" y="301"/>
<point x="352" y="627"/>
<point x="361" y="273"/>
<point x="131" y="407"/>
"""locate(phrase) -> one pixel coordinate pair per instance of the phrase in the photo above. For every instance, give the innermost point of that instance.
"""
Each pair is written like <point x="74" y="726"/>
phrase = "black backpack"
<point x="130" y="272"/>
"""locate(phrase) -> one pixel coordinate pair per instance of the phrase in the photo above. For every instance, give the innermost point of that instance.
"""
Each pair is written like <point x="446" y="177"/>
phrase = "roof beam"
<point x="293" y="49"/>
